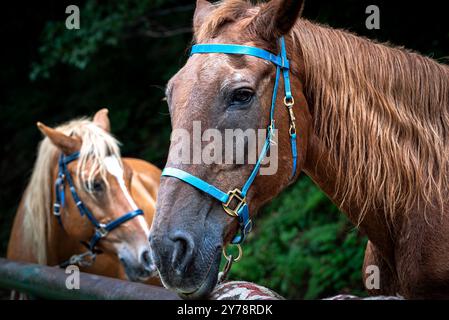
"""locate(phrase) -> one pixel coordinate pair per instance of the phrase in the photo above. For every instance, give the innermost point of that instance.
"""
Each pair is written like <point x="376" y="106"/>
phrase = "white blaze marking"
<point x="144" y="225"/>
<point x="113" y="167"/>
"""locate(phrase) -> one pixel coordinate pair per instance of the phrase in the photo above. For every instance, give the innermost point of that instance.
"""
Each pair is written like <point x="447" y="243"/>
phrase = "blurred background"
<point x="122" y="57"/>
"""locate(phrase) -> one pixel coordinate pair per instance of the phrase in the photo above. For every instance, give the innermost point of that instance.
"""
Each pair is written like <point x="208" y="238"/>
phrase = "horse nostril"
<point x="182" y="252"/>
<point x="145" y="259"/>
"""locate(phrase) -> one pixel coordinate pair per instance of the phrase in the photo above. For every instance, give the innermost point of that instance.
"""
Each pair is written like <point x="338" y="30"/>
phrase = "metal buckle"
<point x="289" y="102"/>
<point x="237" y="194"/>
<point x="229" y="261"/>
<point x="57" y="209"/>
<point x="102" y="230"/>
<point x="230" y="257"/>
<point x="292" y="129"/>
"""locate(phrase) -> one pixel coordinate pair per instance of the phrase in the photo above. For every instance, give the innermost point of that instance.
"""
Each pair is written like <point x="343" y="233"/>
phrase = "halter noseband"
<point x="240" y="210"/>
<point x="101" y="229"/>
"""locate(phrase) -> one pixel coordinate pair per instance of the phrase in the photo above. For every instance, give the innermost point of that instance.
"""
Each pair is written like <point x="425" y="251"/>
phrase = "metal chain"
<point x="85" y="259"/>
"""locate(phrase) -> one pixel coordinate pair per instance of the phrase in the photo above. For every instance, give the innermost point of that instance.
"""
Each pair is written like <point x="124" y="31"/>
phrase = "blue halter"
<point x="101" y="230"/>
<point x="240" y="209"/>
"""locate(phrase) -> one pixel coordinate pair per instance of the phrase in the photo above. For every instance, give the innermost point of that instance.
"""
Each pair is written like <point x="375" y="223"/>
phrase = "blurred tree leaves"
<point x="102" y="24"/>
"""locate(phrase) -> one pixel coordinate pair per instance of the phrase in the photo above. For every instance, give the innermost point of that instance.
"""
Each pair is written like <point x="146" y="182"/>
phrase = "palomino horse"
<point x="372" y="131"/>
<point x="91" y="192"/>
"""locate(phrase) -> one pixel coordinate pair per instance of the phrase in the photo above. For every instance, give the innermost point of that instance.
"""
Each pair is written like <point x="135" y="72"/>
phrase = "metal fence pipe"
<point x="50" y="283"/>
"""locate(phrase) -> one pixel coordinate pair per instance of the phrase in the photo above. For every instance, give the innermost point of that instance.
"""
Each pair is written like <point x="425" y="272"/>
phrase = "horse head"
<point x="226" y="91"/>
<point x="92" y="196"/>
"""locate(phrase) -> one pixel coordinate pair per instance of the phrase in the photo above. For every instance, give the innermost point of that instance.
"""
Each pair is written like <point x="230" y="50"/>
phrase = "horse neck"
<point x="372" y="175"/>
<point x="60" y="245"/>
<point x="322" y="171"/>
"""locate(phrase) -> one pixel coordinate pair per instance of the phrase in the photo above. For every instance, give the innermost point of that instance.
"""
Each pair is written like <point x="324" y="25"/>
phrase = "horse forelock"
<point x="225" y="12"/>
<point x="96" y="146"/>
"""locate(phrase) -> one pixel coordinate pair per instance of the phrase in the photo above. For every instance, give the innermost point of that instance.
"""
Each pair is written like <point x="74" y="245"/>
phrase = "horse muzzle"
<point x="183" y="268"/>
<point x="140" y="267"/>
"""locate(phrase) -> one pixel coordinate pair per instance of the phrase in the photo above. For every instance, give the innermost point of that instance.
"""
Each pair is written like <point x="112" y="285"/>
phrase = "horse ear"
<point x="202" y="10"/>
<point x="101" y="119"/>
<point x="66" y="144"/>
<point x="277" y="18"/>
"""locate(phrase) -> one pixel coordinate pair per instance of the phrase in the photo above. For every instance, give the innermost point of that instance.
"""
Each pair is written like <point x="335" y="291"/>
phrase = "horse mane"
<point x="97" y="144"/>
<point x="382" y="112"/>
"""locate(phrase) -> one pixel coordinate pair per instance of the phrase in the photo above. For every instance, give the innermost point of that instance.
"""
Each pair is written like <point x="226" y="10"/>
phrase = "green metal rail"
<point x="50" y="283"/>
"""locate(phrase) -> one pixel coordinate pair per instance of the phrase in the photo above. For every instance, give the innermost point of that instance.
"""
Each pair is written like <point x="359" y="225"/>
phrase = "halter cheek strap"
<point x="101" y="229"/>
<point x="234" y="202"/>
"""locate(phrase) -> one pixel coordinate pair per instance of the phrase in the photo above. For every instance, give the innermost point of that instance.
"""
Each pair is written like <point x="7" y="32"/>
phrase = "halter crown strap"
<point x="63" y="174"/>
<point x="285" y="71"/>
<point x="289" y="102"/>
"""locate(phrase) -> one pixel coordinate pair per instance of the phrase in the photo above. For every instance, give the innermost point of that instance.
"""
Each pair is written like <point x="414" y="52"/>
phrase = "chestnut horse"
<point x="101" y="180"/>
<point x="372" y="125"/>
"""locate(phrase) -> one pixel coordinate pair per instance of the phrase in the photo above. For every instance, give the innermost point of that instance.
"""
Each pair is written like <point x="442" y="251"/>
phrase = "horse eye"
<point x="241" y="97"/>
<point x="95" y="187"/>
<point x="98" y="186"/>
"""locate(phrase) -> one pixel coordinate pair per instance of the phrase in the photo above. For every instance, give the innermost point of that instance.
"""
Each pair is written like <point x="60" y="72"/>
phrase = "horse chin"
<point x="138" y="278"/>
<point x="137" y="274"/>
<point x="208" y="284"/>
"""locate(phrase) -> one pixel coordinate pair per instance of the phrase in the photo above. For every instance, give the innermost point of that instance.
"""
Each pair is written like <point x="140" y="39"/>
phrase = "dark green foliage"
<point x="121" y="58"/>
<point x="101" y="26"/>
